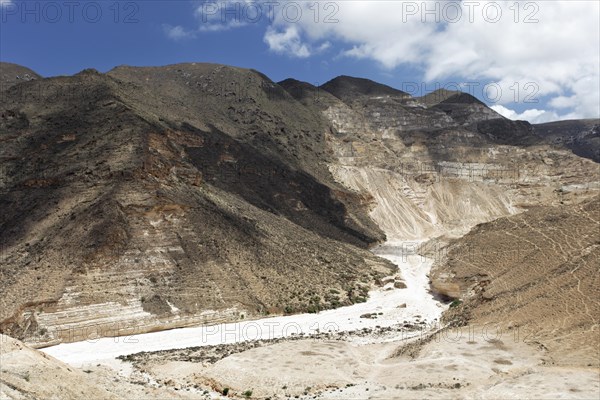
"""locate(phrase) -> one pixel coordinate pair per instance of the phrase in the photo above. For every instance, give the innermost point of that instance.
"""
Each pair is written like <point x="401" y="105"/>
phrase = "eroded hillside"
<point x="536" y="273"/>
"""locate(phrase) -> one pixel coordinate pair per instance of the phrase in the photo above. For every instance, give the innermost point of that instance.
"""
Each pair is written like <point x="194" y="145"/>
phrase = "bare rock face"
<point x="536" y="273"/>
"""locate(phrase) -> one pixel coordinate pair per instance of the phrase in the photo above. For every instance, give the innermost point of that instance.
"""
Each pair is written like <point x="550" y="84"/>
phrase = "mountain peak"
<point x="462" y="98"/>
<point x="437" y="96"/>
<point x="347" y="88"/>
<point x="11" y="74"/>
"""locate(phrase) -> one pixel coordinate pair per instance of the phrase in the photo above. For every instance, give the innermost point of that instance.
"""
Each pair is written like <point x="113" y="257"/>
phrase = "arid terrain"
<point x="164" y="227"/>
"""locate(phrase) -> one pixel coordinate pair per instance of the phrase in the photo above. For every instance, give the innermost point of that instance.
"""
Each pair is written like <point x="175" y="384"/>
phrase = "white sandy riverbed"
<point x="421" y="306"/>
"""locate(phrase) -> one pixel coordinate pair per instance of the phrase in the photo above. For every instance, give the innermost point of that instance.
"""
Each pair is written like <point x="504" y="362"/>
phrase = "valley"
<point x="177" y="231"/>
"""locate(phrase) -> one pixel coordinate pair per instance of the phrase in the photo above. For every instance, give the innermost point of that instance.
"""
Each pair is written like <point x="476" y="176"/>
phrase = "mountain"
<point x="580" y="136"/>
<point x="149" y="198"/>
<point x="437" y="96"/>
<point x="158" y="197"/>
<point x="434" y="170"/>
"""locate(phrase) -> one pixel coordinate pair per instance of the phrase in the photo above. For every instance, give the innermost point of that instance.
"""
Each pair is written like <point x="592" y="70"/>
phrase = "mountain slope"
<point x="441" y="169"/>
<point x="581" y="136"/>
<point x="537" y="273"/>
<point x="130" y="210"/>
<point x="29" y="374"/>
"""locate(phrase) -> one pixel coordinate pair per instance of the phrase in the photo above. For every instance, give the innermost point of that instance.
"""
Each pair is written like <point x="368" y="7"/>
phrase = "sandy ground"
<point x="447" y="368"/>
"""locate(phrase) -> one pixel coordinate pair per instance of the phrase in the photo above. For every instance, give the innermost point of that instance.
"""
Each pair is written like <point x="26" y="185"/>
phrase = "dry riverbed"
<point x="392" y="346"/>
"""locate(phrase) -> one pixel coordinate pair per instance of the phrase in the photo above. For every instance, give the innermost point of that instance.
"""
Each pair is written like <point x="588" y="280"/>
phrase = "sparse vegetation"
<point x="455" y="303"/>
<point x="312" y="309"/>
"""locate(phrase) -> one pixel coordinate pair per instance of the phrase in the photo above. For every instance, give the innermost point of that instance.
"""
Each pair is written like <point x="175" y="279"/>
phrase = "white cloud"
<point x="4" y="3"/>
<point x="287" y="41"/>
<point x="215" y="16"/>
<point x="178" y="32"/>
<point x="533" y="115"/>
<point x="564" y="102"/>
<point x="556" y="57"/>
<point x="371" y="29"/>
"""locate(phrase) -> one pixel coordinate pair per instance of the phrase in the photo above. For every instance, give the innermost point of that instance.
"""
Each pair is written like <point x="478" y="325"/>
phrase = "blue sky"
<point x="544" y="55"/>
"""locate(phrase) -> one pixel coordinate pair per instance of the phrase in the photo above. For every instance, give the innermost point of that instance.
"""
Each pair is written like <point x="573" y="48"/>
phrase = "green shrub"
<point x="225" y="391"/>
<point x="455" y="303"/>
<point x="247" y="394"/>
<point x="313" y="308"/>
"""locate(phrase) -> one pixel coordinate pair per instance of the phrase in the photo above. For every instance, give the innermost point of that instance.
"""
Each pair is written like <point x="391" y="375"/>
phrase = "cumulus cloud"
<point x="533" y="115"/>
<point x="286" y="41"/>
<point x="178" y="32"/>
<point x="529" y="49"/>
